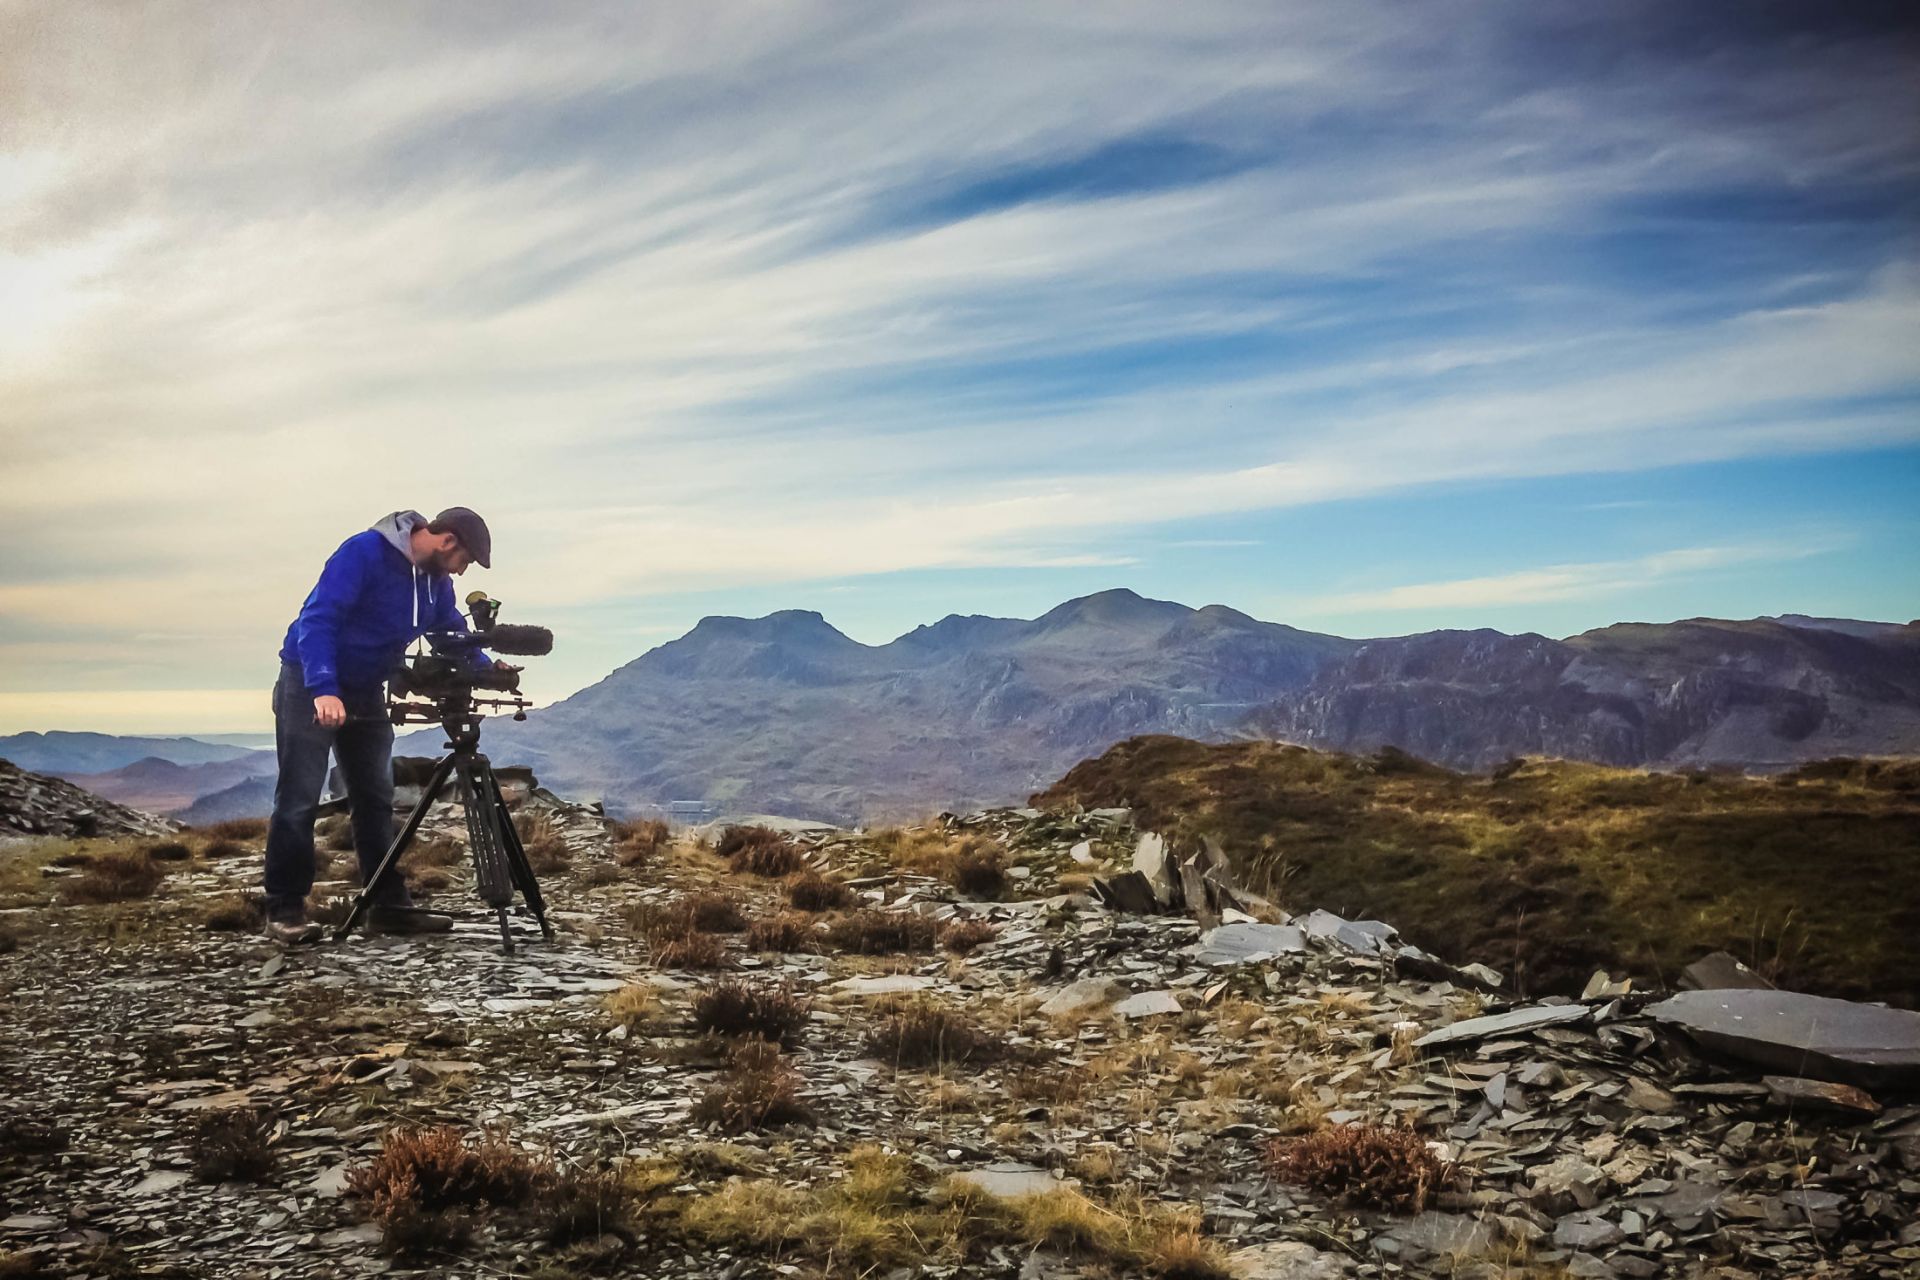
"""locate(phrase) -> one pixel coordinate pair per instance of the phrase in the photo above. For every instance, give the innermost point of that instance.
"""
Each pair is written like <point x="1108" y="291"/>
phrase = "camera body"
<point x="446" y="677"/>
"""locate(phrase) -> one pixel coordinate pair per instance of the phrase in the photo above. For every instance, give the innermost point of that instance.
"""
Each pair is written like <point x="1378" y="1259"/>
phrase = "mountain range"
<point x="786" y="714"/>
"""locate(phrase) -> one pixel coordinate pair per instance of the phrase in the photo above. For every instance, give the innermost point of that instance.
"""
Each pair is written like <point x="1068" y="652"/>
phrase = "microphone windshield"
<point x="517" y="639"/>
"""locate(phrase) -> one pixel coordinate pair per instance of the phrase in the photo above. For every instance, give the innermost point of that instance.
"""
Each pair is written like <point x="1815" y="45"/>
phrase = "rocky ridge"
<point x="32" y="804"/>
<point x="1138" y="1053"/>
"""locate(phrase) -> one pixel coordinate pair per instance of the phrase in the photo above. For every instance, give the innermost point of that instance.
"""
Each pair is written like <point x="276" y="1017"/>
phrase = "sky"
<point x="1366" y="319"/>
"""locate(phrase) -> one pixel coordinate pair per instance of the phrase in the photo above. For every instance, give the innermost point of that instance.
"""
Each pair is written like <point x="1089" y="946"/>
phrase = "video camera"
<point x="446" y="676"/>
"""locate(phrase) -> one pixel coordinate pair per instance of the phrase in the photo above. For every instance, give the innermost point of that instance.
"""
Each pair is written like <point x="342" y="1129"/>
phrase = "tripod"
<point x="499" y="861"/>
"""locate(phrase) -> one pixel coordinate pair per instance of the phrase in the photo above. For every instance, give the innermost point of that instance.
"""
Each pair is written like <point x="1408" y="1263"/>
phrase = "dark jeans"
<point x="364" y="748"/>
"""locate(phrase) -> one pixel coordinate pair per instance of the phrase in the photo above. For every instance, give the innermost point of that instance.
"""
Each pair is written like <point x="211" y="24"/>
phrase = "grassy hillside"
<point x="1548" y="869"/>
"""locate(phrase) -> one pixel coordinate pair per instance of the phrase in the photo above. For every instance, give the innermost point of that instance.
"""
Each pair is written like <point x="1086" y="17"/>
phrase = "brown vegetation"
<point x="811" y="891"/>
<point x="1552" y="869"/>
<point x="1361" y="1164"/>
<point x="788" y="932"/>
<point x="118" y="875"/>
<point x="423" y="1174"/>
<point x="882" y="933"/>
<point x="239" y="829"/>
<point x="963" y="936"/>
<point x="736" y="1008"/>
<point x="170" y="851"/>
<point x="759" y="1090"/>
<point x="233" y="1145"/>
<point x="639" y="842"/>
<point x="585" y="1206"/>
<point x="235" y="913"/>
<point x="925" y="1033"/>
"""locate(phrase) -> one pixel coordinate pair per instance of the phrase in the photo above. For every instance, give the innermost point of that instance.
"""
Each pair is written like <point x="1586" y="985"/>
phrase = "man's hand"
<point x="329" y="711"/>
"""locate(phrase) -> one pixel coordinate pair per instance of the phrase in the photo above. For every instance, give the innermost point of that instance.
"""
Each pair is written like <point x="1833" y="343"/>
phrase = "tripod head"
<point x="439" y="685"/>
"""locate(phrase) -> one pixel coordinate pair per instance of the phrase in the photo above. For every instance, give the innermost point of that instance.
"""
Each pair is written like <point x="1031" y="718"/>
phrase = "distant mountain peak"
<point x="784" y="626"/>
<point x="1118" y="606"/>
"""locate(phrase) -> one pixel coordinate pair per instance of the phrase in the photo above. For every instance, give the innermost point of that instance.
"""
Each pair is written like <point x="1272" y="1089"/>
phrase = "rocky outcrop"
<point x="1761" y="694"/>
<point x="33" y="804"/>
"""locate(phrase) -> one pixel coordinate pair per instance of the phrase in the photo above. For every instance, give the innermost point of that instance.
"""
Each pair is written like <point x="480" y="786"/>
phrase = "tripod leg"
<point x="390" y="863"/>
<point x="517" y="861"/>
<point x="506" y="935"/>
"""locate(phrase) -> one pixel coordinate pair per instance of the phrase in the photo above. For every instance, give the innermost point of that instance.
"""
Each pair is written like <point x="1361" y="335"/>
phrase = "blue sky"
<point x="1524" y="316"/>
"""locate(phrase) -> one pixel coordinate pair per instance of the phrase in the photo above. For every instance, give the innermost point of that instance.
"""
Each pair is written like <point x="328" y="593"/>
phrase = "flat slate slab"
<point x="1009" y="1180"/>
<point x="1244" y="943"/>
<point x="1540" y="1015"/>
<point x="1801" y="1035"/>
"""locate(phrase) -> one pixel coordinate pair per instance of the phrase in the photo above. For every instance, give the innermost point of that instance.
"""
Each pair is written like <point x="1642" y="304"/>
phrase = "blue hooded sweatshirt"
<point x="371" y="602"/>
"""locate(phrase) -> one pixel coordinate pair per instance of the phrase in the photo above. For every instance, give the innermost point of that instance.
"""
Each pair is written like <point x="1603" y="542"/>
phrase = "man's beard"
<point x="437" y="563"/>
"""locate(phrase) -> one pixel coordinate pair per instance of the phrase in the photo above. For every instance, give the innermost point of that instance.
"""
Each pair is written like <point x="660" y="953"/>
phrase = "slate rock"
<point x="1468" y="1029"/>
<point x="1087" y="993"/>
<point x="1245" y="943"/>
<point x="1801" y="1035"/>
<point x="1288" y="1260"/>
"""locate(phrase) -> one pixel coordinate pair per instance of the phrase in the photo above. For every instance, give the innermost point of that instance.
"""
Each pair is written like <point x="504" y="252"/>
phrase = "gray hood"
<point x="397" y="528"/>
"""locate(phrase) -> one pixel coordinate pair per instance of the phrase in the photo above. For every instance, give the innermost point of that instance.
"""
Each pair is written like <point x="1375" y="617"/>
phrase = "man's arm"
<point x="316" y="632"/>
<point x="446" y="617"/>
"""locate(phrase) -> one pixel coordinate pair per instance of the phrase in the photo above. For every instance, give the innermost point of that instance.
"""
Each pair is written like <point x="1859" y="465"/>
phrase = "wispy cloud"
<point x="1560" y="581"/>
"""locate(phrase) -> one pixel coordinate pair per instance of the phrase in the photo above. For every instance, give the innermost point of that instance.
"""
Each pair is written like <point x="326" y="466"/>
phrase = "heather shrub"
<point x="1366" y="1165"/>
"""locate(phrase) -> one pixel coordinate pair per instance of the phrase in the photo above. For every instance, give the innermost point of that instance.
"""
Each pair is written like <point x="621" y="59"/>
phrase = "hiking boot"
<point x="292" y="928"/>
<point x="406" y="920"/>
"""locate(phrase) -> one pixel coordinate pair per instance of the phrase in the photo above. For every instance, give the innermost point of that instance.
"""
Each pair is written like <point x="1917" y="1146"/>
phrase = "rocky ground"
<point x="1127" y="1079"/>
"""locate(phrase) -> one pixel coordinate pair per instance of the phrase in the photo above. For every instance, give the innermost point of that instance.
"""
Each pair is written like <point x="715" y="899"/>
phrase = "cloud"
<point x="1560" y="581"/>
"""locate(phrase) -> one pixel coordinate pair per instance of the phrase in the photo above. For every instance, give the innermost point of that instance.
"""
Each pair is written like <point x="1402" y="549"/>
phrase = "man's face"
<point x="450" y="557"/>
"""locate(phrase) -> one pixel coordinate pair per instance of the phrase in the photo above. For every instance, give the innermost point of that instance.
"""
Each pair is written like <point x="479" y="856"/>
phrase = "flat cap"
<point x="467" y="526"/>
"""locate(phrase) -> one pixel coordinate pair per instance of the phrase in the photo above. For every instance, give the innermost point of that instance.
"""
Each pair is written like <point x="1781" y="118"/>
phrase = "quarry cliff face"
<point x="786" y="714"/>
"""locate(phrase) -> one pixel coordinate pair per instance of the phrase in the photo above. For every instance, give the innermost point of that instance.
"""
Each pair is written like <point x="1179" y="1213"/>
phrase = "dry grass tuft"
<point x="441" y="851"/>
<point x="973" y="863"/>
<point x="979" y="871"/>
<point x="737" y="840"/>
<point x="1365" y="1165"/>
<point x="239" y="829"/>
<point x="882" y="933"/>
<point x="633" y="1005"/>
<point x="1185" y="1254"/>
<point x="586" y="1206"/>
<point x="701" y="951"/>
<point x="788" y="932"/>
<point x="233" y="1145"/>
<point x="759" y="1090"/>
<point x="170" y="851"/>
<point x="338" y="837"/>
<point x="963" y="936"/>
<point x="115" y="876"/>
<point x="637" y="843"/>
<point x="217" y="849"/>
<point x="737" y="1009"/>
<point x="421" y="1174"/>
<point x="924" y="1033"/>
<point x="235" y="913"/>
<point x="694" y="913"/>
<point x="769" y="860"/>
<point x="811" y="891"/>
<point x="546" y="849"/>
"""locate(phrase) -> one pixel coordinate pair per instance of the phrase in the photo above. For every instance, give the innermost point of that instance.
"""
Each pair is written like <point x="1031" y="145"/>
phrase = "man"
<point x="379" y="592"/>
